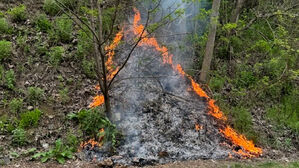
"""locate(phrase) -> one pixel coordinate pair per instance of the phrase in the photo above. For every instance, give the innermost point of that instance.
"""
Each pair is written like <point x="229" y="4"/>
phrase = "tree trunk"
<point x="234" y="19"/>
<point x="236" y="12"/>
<point x="211" y="41"/>
<point x="104" y="69"/>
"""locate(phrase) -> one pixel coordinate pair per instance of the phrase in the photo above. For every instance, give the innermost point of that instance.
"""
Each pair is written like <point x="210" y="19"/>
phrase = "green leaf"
<point x="60" y="160"/>
<point x="44" y="159"/>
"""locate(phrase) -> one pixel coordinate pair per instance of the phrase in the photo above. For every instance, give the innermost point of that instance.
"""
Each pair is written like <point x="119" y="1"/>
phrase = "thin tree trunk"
<point x="234" y="19"/>
<point x="211" y="41"/>
<point x="102" y="54"/>
<point x="236" y="12"/>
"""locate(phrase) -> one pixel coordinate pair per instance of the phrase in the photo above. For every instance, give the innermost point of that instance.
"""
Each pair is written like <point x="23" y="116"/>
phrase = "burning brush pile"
<point x="162" y="112"/>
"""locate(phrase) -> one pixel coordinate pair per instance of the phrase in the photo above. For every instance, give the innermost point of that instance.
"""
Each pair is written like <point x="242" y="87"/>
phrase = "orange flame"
<point x="248" y="148"/>
<point x="99" y="99"/>
<point x="92" y="142"/>
<point x="241" y="140"/>
<point x="198" y="127"/>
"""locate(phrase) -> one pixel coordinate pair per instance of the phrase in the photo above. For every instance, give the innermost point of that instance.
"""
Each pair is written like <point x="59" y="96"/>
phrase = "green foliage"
<point x="5" y="49"/>
<point x="84" y="44"/>
<point x="4" y="26"/>
<point x="55" y="55"/>
<point x="10" y="79"/>
<point x="18" y="13"/>
<point x="19" y="137"/>
<point x="286" y="112"/>
<point x="60" y="153"/>
<point x="217" y="83"/>
<point x="51" y="7"/>
<point x="35" y="94"/>
<point x="245" y="79"/>
<point x="30" y="118"/>
<point x="16" y="105"/>
<point x="7" y="125"/>
<point x="92" y="120"/>
<point x="63" y="29"/>
<point x="89" y="68"/>
<point x="242" y="121"/>
<point x="72" y="142"/>
<point x="43" y="23"/>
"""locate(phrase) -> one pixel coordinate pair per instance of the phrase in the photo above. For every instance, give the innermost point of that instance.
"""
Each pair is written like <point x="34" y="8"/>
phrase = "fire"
<point x="99" y="99"/>
<point x="198" y="127"/>
<point x="94" y="143"/>
<point x="241" y="141"/>
<point x="248" y="147"/>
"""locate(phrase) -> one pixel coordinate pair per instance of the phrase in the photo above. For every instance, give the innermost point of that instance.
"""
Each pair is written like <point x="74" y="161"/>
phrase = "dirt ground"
<point x="283" y="163"/>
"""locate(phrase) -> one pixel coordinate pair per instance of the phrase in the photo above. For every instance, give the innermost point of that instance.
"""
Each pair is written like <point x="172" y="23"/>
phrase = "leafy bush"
<point x="16" y="105"/>
<point x="18" y="13"/>
<point x="92" y="120"/>
<point x="56" y="55"/>
<point x="51" y="7"/>
<point x="63" y="29"/>
<point x="30" y="118"/>
<point x="4" y="26"/>
<point x="43" y="23"/>
<point x="60" y="152"/>
<point x="35" y="94"/>
<point x="5" y="49"/>
<point x="19" y="137"/>
<point x="10" y="79"/>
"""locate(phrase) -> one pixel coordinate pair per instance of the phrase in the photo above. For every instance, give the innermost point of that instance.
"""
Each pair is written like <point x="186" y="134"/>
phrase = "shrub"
<point x="30" y="118"/>
<point x="56" y="55"/>
<point x="43" y="23"/>
<point x="64" y="29"/>
<point x="18" y="13"/>
<point x="60" y="152"/>
<point x="51" y="7"/>
<point x="35" y="94"/>
<point x="5" y="49"/>
<point x="19" y="137"/>
<point x="4" y="26"/>
<point x="16" y="105"/>
<point x="92" y="120"/>
<point x="10" y="79"/>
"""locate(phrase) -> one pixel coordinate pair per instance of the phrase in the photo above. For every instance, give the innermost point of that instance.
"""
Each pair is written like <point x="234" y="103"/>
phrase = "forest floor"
<point x="262" y="163"/>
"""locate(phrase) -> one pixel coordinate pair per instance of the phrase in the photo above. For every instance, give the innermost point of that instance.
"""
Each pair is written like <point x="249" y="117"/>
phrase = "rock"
<point x="30" y="108"/>
<point x="45" y="146"/>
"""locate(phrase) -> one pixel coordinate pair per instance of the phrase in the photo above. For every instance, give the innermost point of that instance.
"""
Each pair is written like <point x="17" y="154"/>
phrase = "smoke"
<point x="179" y="33"/>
